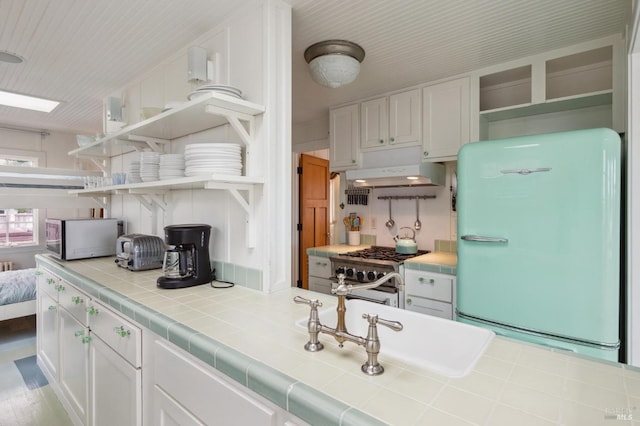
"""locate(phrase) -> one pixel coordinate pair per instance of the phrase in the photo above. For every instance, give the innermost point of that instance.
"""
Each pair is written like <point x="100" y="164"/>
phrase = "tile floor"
<point x="20" y="405"/>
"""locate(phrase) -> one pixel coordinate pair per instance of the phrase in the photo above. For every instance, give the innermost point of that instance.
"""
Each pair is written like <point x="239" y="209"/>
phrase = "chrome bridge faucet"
<point x="371" y="343"/>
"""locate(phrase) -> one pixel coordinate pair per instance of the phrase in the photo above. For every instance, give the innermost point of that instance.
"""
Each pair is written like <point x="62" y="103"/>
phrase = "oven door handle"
<point x="368" y="299"/>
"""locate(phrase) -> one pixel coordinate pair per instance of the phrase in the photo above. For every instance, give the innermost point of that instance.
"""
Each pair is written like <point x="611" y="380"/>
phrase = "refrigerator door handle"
<point x="527" y="171"/>
<point x="481" y="239"/>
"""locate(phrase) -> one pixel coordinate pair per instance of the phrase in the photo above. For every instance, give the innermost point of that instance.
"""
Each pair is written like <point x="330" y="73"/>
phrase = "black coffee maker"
<point x="186" y="260"/>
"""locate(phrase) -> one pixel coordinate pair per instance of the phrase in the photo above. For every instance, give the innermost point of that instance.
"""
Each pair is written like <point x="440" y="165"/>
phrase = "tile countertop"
<point x="251" y="337"/>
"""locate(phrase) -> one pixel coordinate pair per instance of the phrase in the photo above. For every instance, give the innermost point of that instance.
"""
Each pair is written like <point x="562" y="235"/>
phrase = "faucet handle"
<point x="373" y="319"/>
<point x="314" y="303"/>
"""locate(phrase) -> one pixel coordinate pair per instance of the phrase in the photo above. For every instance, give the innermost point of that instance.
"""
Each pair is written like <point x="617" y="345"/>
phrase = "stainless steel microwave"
<point x="70" y="239"/>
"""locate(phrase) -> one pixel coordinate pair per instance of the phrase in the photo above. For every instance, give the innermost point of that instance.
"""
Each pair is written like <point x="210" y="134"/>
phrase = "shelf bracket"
<point x="143" y="142"/>
<point x="248" y="204"/>
<point x="235" y="118"/>
<point x="151" y="202"/>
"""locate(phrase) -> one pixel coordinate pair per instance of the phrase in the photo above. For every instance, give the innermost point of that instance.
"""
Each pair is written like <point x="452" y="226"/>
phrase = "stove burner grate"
<point x="382" y="253"/>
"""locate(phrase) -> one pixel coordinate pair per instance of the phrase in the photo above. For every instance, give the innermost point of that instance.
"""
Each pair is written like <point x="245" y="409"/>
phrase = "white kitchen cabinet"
<point x="391" y="121"/>
<point x="404" y="118"/>
<point x="430" y="293"/>
<point x="374" y="124"/>
<point x="74" y="363"/>
<point x="90" y="355"/>
<point x="445" y="120"/>
<point x="320" y="274"/>
<point x="344" y="138"/>
<point x="47" y="328"/>
<point x="576" y="87"/>
<point x="190" y="393"/>
<point x="116" y="387"/>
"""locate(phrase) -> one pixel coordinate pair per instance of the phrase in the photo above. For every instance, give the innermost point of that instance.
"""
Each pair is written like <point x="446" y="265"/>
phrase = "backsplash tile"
<point x="239" y="275"/>
<point x="446" y="246"/>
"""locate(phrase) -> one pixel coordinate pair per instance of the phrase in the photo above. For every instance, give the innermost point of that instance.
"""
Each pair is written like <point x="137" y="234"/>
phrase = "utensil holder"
<point x="354" y="238"/>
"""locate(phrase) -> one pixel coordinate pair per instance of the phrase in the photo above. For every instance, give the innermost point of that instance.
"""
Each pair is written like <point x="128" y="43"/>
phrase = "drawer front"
<point x="49" y="284"/>
<point x="437" y="287"/>
<point x="121" y="335"/>
<point x="429" y="307"/>
<point x="320" y="267"/>
<point x="75" y="302"/>
<point x="321" y="285"/>
<point x="209" y="398"/>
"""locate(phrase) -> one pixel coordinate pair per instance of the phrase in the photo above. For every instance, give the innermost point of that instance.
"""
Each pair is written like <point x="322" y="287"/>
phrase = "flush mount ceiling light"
<point x="334" y="63"/>
<point x="10" y="58"/>
<point x="27" y="102"/>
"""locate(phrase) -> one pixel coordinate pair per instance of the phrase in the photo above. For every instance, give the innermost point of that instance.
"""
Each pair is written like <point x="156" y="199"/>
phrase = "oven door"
<point x="374" y="296"/>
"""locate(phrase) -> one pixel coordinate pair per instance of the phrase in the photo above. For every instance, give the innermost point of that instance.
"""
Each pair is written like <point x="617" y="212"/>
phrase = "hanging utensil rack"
<point x="357" y="195"/>
<point x="406" y="197"/>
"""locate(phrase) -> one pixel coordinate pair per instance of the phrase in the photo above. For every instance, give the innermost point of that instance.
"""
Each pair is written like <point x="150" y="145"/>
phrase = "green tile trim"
<point x="204" y="348"/>
<point x="234" y="364"/>
<point x="269" y="383"/>
<point x="353" y="417"/>
<point x="180" y="335"/>
<point x="313" y="407"/>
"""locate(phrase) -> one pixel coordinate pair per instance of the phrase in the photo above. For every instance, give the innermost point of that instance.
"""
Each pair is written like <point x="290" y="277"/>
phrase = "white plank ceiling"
<point x="81" y="51"/>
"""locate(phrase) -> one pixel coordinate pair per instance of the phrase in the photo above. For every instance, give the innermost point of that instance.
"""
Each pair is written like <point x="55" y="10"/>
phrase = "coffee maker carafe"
<point x="186" y="260"/>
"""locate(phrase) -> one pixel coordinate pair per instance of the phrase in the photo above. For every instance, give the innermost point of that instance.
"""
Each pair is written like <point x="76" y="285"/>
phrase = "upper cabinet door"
<point x="445" y="119"/>
<point x="374" y="124"/>
<point x="344" y="138"/>
<point x="404" y="118"/>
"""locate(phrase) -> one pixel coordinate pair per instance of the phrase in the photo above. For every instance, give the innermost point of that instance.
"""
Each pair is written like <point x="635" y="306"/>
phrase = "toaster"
<point x="138" y="252"/>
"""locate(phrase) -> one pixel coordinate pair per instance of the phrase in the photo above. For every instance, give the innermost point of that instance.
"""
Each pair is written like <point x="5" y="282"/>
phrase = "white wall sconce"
<point x="334" y="63"/>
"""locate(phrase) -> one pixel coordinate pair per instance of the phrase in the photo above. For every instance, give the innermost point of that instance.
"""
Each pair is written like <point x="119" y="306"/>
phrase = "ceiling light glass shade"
<point x="334" y="70"/>
<point x="334" y="63"/>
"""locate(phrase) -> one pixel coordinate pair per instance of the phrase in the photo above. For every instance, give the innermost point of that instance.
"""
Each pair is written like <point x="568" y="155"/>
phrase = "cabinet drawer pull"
<point x="79" y="333"/>
<point x="49" y="281"/>
<point x="121" y="331"/>
<point x="77" y="300"/>
<point x="59" y="287"/>
<point x="91" y="310"/>
<point x="38" y="273"/>
<point x="429" y="281"/>
<point x="86" y="339"/>
<point x="51" y="308"/>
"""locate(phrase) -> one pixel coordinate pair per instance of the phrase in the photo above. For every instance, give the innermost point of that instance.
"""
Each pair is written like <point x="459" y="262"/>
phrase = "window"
<point x="18" y="225"/>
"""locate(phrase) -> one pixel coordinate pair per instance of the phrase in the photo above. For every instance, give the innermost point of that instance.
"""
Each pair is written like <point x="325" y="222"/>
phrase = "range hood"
<point x="430" y="174"/>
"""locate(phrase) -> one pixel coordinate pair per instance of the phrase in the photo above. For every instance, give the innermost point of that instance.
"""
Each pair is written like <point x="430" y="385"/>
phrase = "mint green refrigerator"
<point x="539" y="239"/>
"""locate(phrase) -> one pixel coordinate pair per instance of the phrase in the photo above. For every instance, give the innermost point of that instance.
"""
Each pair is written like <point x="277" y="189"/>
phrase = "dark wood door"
<point x="314" y="209"/>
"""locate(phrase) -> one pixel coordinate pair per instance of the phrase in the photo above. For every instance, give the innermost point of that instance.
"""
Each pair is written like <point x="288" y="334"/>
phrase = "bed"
<point x="17" y="293"/>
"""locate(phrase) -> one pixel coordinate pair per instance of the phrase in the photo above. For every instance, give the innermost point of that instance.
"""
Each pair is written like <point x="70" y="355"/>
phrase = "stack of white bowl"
<point x="149" y="166"/>
<point x="133" y="174"/>
<point x="203" y="159"/>
<point x="171" y="166"/>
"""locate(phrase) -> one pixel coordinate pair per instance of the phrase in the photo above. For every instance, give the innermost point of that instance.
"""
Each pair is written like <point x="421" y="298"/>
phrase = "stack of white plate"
<point x="203" y="159"/>
<point x="133" y="174"/>
<point x="149" y="166"/>
<point x="171" y="166"/>
<point x="218" y="88"/>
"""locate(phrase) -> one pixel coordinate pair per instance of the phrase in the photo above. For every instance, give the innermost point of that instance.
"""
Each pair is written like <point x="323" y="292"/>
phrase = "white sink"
<point x="445" y="347"/>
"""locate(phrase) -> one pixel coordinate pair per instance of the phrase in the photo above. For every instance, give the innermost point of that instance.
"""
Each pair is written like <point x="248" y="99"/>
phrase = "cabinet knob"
<point x="408" y="301"/>
<point x="86" y="339"/>
<point x="121" y="331"/>
<point x="77" y="300"/>
<point x="59" y="287"/>
<point x="92" y="310"/>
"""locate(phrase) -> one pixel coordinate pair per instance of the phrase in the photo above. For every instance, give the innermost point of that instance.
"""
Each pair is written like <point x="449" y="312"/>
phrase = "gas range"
<point x="368" y="265"/>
